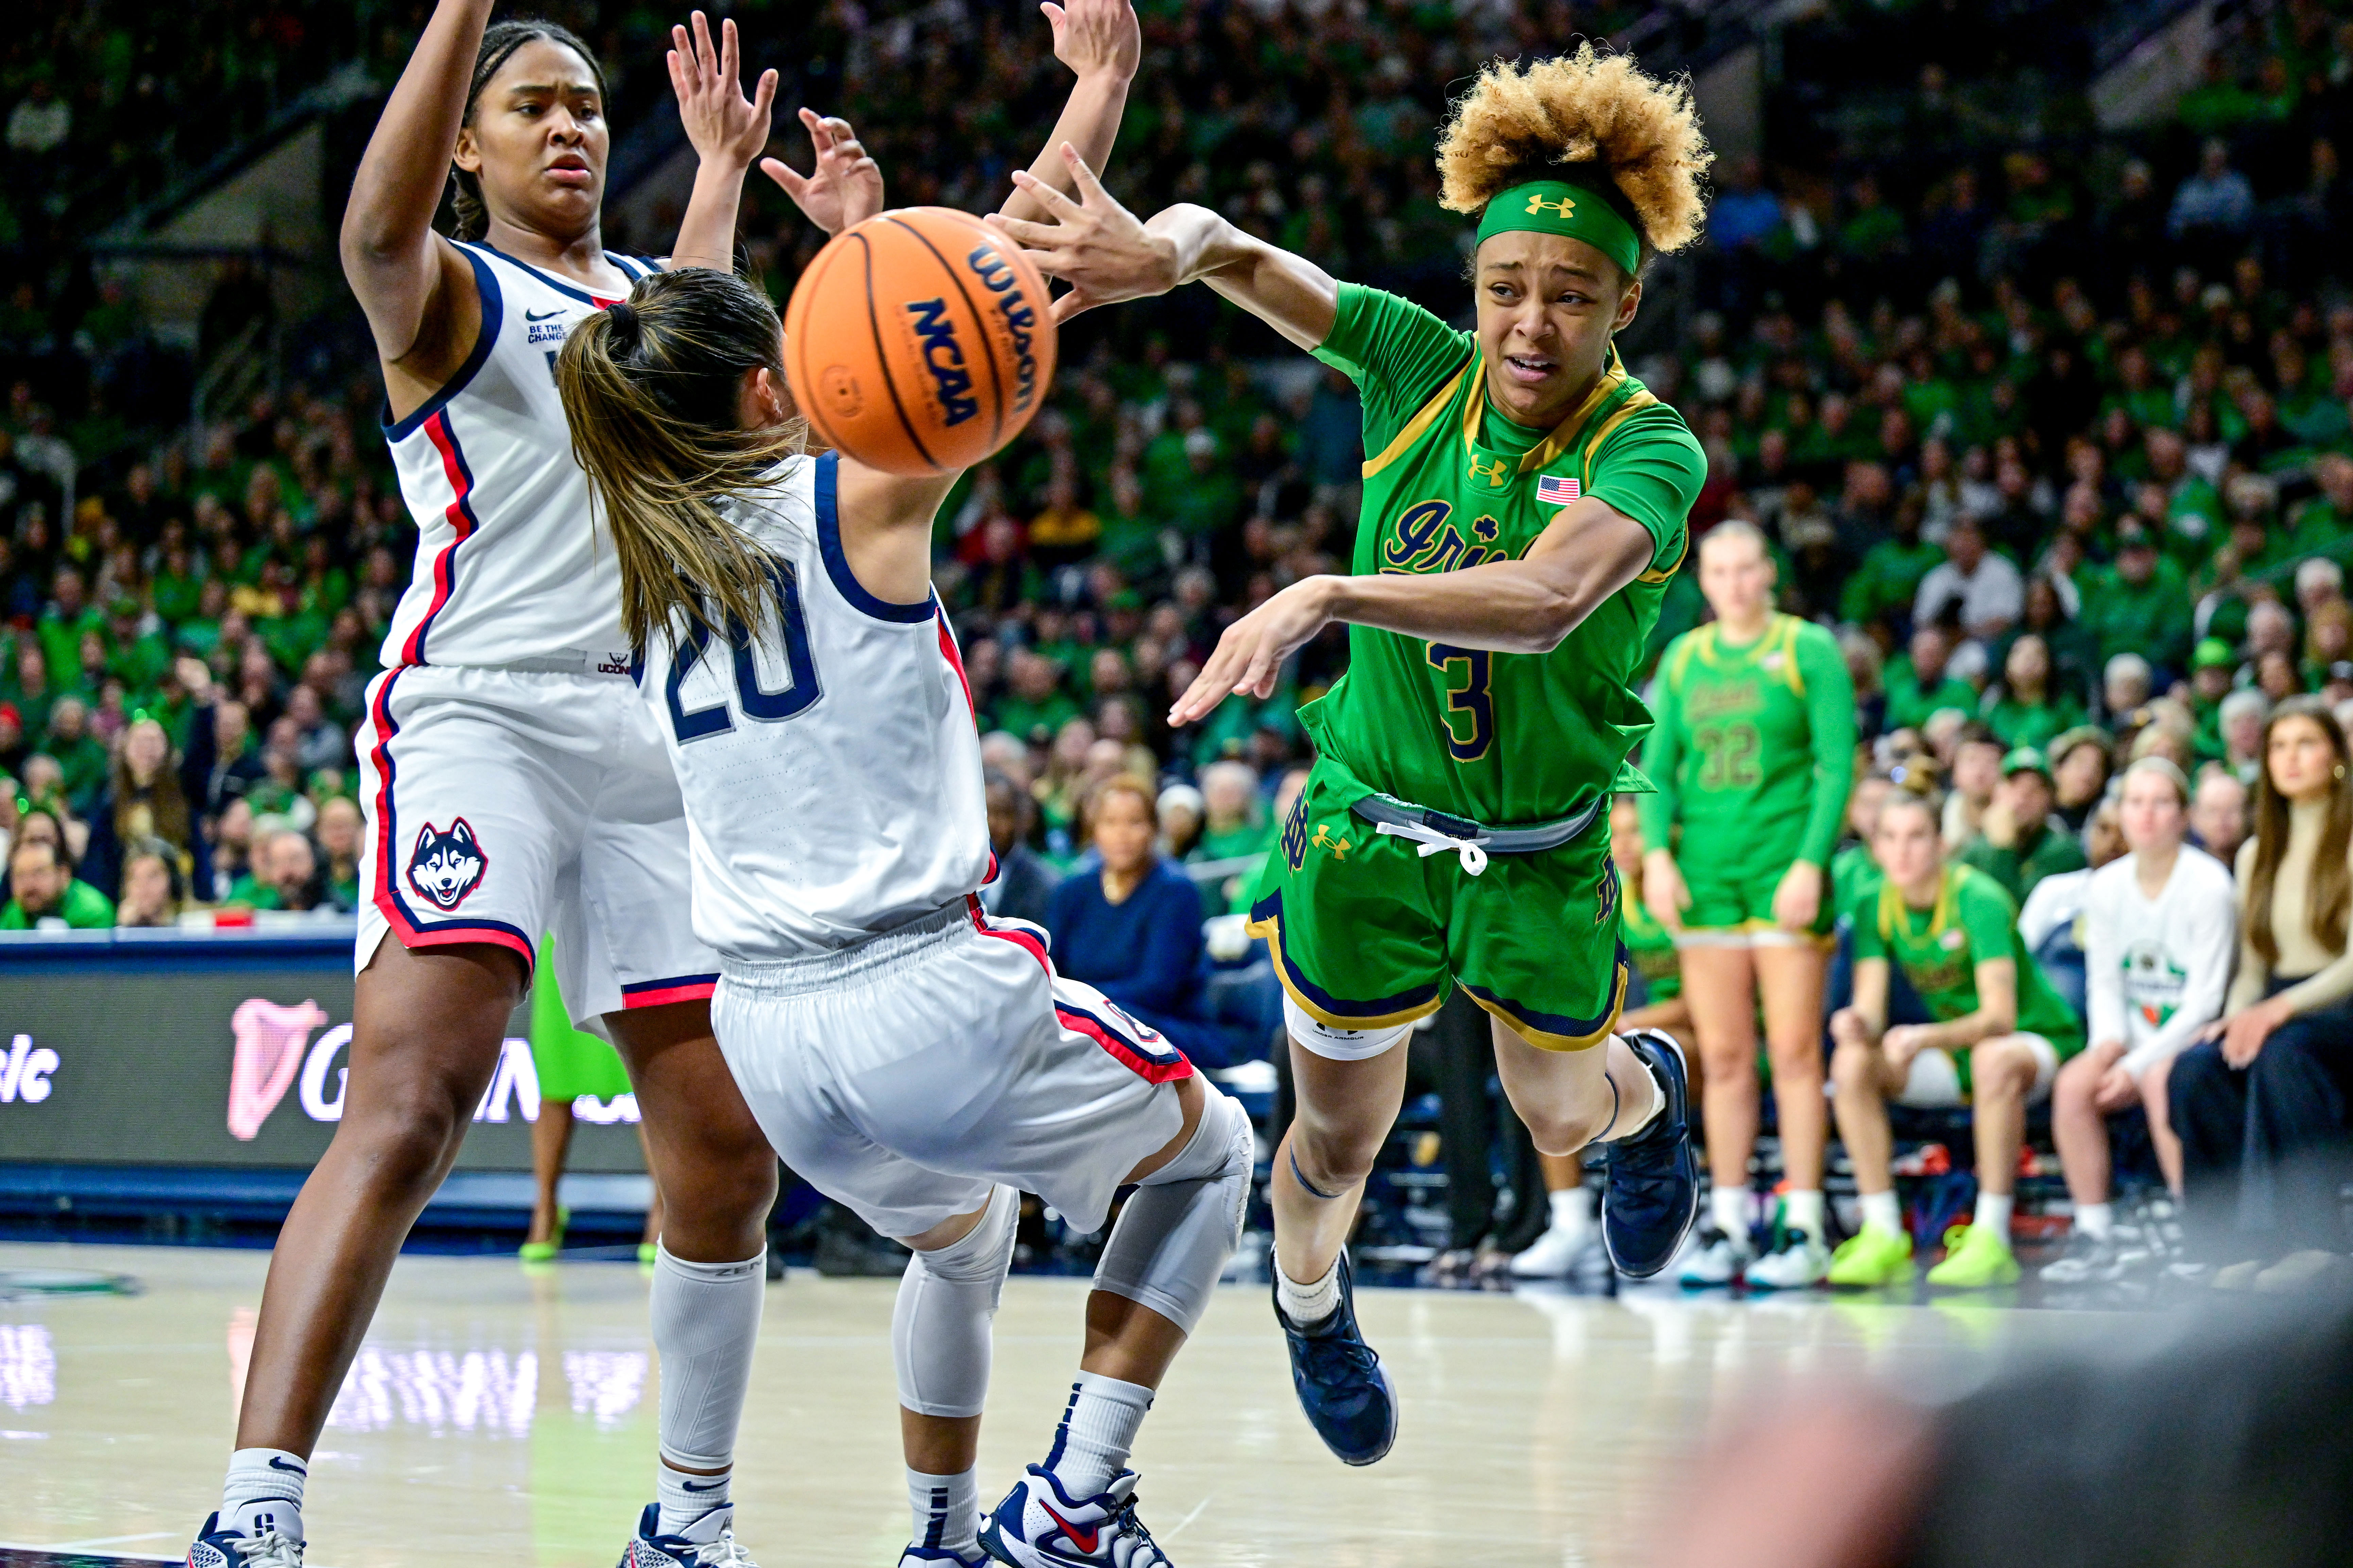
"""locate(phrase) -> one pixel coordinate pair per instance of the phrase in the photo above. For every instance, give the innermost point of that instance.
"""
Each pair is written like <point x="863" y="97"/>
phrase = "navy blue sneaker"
<point x="1342" y="1384"/>
<point x="218" y="1548"/>
<point x="709" y="1542"/>
<point x="1654" y="1192"/>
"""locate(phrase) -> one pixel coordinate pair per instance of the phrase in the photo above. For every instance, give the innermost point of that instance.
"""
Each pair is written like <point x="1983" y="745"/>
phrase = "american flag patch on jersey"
<point x="1554" y="490"/>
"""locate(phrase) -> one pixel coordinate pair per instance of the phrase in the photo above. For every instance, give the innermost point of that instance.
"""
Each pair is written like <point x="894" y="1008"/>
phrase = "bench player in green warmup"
<point x="1524" y="507"/>
<point x="1753" y="756"/>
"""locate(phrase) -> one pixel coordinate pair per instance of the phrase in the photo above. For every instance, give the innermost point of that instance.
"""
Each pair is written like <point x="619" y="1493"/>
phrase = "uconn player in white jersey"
<point x="512" y="783"/>
<point x="917" y="1061"/>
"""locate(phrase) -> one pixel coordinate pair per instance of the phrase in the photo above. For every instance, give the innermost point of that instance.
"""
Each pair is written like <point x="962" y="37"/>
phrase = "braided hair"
<point x="500" y="41"/>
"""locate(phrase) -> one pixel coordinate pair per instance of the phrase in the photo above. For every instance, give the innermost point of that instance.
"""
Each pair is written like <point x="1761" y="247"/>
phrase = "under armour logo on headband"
<point x="1560" y="208"/>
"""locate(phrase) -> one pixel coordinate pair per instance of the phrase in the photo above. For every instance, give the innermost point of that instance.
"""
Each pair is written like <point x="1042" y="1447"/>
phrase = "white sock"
<point x="1310" y="1303"/>
<point x="264" y="1493"/>
<point x="1803" y="1210"/>
<point x="1727" y="1208"/>
<point x="705" y="1318"/>
<point x="1881" y="1211"/>
<point x="687" y="1498"/>
<point x="1640" y="1099"/>
<point x="1097" y="1433"/>
<point x="947" y="1510"/>
<point x="1993" y="1210"/>
<point x="1571" y="1211"/>
<point x="2094" y="1220"/>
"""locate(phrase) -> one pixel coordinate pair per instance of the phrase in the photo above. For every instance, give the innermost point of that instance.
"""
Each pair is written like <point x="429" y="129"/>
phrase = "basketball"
<point x="918" y="342"/>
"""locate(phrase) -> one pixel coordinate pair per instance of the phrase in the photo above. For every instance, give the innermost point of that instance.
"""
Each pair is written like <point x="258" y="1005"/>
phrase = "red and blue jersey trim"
<point x="389" y="900"/>
<point x="464" y="525"/>
<point x="662" y="992"/>
<point x="1142" y="1051"/>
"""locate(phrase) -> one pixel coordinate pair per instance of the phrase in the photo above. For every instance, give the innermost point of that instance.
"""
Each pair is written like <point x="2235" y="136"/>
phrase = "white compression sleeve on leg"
<point x="1174" y="1235"/>
<point x="939" y="1328"/>
<point x="706" y="1319"/>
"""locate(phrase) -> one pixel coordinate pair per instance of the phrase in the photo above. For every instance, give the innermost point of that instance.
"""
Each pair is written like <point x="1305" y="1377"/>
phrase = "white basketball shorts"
<point x="1935" y="1083"/>
<point x="904" y="1077"/>
<point x="501" y="803"/>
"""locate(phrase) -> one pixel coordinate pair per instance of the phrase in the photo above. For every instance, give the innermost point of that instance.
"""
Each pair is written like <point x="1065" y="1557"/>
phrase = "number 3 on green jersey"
<point x="1470" y="714"/>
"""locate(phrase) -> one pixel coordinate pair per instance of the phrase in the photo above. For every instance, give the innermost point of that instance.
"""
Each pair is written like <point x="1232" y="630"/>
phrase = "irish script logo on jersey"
<point x="1554" y="490"/>
<point x="446" y="867"/>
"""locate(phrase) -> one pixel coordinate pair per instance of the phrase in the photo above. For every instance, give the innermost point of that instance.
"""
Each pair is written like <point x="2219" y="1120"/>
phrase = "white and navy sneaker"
<point x="1039" y="1525"/>
<point x="942" y="1557"/>
<point x="1654" y="1192"/>
<point x="708" y="1543"/>
<point x="1716" y="1258"/>
<point x="1798" y="1262"/>
<point x="267" y="1548"/>
<point x="2099" y="1261"/>
<point x="1553" y="1254"/>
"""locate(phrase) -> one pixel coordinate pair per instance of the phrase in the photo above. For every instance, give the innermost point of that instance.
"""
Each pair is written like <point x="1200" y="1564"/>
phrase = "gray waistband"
<point x="1382" y="808"/>
<point x="559" y="662"/>
<point x="861" y="961"/>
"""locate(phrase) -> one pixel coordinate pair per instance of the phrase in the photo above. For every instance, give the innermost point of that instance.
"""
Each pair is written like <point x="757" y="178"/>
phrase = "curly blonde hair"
<point x="1592" y="109"/>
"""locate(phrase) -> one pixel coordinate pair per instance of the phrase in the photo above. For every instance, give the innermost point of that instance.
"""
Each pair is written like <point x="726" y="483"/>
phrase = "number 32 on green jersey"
<point x="1469" y="715"/>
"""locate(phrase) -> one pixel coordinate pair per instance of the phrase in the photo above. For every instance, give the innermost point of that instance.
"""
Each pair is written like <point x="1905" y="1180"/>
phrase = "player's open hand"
<point x="1250" y="656"/>
<point x="1094" y="245"/>
<point x="724" y="125"/>
<point x="1096" y="38"/>
<point x="1663" y="893"/>
<point x="845" y="187"/>
<point x="1797" y="897"/>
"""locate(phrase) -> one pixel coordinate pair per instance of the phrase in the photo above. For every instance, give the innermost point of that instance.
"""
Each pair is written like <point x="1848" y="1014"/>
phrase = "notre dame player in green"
<point x="1524" y="507"/>
<point x="1753" y="756"/>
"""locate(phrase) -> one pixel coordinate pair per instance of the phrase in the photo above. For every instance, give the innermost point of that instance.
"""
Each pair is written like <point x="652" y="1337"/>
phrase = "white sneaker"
<point x="1799" y="1263"/>
<point x="1717" y="1260"/>
<point x="218" y="1548"/>
<point x="1555" y="1253"/>
<point x="709" y="1542"/>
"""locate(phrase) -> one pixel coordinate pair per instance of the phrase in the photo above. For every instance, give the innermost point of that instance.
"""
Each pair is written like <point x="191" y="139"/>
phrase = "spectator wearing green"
<point x="82" y="756"/>
<point x="1034" y="706"/>
<point x="1206" y="498"/>
<point x="2212" y="665"/>
<point x="2193" y="508"/>
<point x="2141" y="602"/>
<point x="2324" y="525"/>
<point x="1233" y="819"/>
<point x="283" y="874"/>
<point x="29" y="684"/>
<point x="1887" y="579"/>
<point x="42" y="891"/>
<point x="1854" y="875"/>
<point x="2022" y="841"/>
<point x="138" y="648"/>
<point x="66" y="616"/>
<point x="1918" y="683"/>
<point x="2023" y="711"/>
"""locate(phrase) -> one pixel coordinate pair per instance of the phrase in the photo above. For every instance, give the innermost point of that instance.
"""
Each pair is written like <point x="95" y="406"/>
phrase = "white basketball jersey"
<point x="830" y="765"/>
<point x="510" y="567"/>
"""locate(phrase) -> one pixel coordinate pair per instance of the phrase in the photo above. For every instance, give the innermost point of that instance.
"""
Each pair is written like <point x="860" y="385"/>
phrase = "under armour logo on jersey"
<point x="1496" y="474"/>
<point x="1560" y="208"/>
<point x="446" y="867"/>
<point x="1327" y="839"/>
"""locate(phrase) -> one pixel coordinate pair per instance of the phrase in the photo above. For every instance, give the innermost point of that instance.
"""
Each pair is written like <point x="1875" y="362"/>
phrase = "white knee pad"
<point x="939" y="1328"/>
<point x="1174" y="1235"/>
<point x="705" y="1319"/>
<point x="1338" y="1044"/>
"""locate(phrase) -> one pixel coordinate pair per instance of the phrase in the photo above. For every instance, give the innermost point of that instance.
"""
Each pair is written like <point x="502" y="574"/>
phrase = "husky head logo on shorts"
<point x="446" y="867"/>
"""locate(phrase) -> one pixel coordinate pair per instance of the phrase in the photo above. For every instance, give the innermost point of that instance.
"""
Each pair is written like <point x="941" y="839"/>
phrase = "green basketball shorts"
<point x="1731" y="901"/>
<point x="1368" y="932"/>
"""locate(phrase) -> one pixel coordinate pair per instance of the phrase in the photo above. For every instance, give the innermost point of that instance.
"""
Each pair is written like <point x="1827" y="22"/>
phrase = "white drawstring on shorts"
<point x="1433" y="842"/>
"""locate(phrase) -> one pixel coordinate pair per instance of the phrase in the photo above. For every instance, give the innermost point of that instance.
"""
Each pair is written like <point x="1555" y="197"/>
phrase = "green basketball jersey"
<point x="1652" y="947"/>
<point x="1939" y="950"/>
<point x="1500" y="737"/>
<point x="1753" y="752"/>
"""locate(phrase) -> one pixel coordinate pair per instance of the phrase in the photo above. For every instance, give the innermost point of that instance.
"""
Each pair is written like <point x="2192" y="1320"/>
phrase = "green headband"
<point x="1558" y="207"/>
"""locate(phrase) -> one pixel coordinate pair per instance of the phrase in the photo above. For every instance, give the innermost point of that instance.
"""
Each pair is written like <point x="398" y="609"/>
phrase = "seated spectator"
<point x="338" y="834"/>
<point x="233" y="846"/>
<point x="1996" y="1045"/>
<point x="1132" y="929"/>
<point x="2245" y="716"/>
<point x="1233" y="823"/>
<point x="285" y="874"/>
<point x="2140" y="605"/>
<point x="2213" y="208"/>
<point x="1918" y="683"/>
<point x="1023" y="887"/>
<point x="1977" y="779"/>
<point x="2124" y="684"/>
<point x="44" y="894"/>
<point x="2080" y="760"/>
<point x="2259" y="1104"/>
<point x="2218" y="814"/>
<point x="2023" y="711"/>
<point x="80" y="754"/>
<point x="2020" y="839"/>
<point x="1180" y="820"/>
<point x="1981" y="586"/>
<point x="150" y="886"/>
<point x="2161" y="929"/>
<point x="143" y="802"/>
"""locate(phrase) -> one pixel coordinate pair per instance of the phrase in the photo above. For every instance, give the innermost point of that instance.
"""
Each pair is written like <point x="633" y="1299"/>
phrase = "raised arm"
<point x="1106" y="255"/>
<point x="1102" y="42"/>
<point x="414" y="285"/>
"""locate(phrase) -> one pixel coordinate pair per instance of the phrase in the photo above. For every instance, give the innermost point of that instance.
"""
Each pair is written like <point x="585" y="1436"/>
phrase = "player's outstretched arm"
<point x="1589" y="552"/>
<point x="414" y="285"/>
<point x="1103" y="43"/>
<point x="1106" y="255"/>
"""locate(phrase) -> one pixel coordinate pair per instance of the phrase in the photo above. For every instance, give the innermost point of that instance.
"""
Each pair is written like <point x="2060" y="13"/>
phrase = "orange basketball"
<point x="919" y="343"/>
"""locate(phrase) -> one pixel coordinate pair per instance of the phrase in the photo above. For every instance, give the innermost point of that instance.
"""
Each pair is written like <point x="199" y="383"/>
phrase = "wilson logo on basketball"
<point x="1020" y="319"/>
<point x="943" y="357"/>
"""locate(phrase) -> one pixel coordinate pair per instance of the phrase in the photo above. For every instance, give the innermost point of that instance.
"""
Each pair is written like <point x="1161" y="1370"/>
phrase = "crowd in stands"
<point x="2060" y="441"/>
